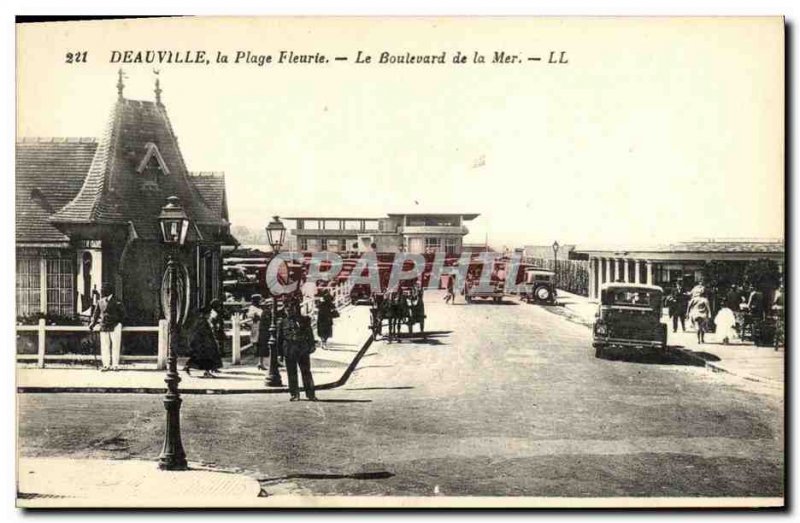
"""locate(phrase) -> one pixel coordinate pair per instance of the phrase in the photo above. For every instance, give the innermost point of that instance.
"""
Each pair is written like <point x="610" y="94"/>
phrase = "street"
<point x="499" y="400"/>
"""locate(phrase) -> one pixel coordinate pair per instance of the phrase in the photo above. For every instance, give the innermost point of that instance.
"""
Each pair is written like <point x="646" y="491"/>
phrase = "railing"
<point x="239" y="329"/>
<point x="42" y="329"/>
<point x="341" y="299"/>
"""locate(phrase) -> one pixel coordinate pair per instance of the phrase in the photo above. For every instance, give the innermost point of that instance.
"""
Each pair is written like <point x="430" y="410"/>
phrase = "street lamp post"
<point x="174" y="225"/>
<point x="276" y="233"/>
<point x="555" y="261"/>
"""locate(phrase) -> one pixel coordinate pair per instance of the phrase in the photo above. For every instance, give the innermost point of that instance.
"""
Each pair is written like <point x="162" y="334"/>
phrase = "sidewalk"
<point x="76" y="483"/>
<point x="742" y="359"/>
<point x="331" y="368"/>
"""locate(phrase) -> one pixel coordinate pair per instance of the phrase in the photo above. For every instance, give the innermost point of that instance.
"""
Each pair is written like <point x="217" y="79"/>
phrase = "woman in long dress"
<point x="725" y="322"/>
<point x="203" y="350"/>
<point x="326" y="311"/>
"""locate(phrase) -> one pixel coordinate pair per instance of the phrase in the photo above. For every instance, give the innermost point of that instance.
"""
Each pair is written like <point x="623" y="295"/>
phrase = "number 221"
<point x="76" y="58"/>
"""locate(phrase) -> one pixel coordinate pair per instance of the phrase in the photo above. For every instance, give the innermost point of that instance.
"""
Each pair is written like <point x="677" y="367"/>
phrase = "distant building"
<point x="87" y="212"/>
<point x="410" y="232"/>
<point x="477" y="247"/>
<point x="664" y="265"/>
<point x="565" y="252"/>
<point x="316" y="233"/>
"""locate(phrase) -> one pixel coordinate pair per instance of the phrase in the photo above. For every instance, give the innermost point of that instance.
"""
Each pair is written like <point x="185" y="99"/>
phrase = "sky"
<point x="654" y="131"/>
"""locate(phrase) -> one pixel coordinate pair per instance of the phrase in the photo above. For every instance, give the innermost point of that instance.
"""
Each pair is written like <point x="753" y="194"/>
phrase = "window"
<point x="60" y="282"/>
<point x="333" y="245"/>
<point x="433" y="244"/>
<point x="451" y="245"/>
<point x="28" y="286"/>
<point x="60" y="286"/>
<point x="302" y="244"/>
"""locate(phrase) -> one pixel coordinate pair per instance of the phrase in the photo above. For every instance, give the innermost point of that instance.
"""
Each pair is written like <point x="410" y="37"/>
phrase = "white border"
<point x="788" y="8"/>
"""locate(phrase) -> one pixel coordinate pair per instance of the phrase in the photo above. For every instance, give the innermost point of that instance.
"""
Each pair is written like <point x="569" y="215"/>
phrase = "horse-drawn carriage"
<point x="392" y="310"/>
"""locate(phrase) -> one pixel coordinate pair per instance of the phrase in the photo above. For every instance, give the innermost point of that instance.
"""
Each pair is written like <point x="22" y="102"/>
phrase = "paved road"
<point x="504" y="400"/>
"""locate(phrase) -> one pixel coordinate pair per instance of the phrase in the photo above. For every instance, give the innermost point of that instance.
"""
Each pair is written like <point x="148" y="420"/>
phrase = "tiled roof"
<point x="211" y="186"/>
<point x="726" y="246"/>
<point x="49" y="173"/>
<point x="708" y="246"/>
<point x="113" y="192"/>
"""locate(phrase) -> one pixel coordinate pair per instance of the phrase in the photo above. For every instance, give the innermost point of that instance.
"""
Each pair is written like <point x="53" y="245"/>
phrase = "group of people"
<point x="294" y="339"/>
<point x="398" y="307"/>
<point x="729" y="318"/>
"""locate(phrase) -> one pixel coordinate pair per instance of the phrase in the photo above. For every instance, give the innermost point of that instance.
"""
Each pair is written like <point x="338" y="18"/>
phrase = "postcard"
<point x="400" y="262"/>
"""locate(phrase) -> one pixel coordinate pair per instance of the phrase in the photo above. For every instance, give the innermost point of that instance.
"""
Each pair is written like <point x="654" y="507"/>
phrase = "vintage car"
<point x="495" y="291"/>
<point x="539" y="286"/>
<point x="238" y="283"/>
<point x="629" y="315"/>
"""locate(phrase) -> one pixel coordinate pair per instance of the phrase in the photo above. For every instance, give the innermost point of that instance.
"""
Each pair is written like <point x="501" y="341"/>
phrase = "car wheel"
<point x="497" y="300"/>
<point x="599" y="351"/>
<point x="543" y="294"/>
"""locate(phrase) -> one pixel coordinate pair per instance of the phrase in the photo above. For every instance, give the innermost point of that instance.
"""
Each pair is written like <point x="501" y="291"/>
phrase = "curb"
<point x="196" y="391"/>
<point x="716" y="367"/>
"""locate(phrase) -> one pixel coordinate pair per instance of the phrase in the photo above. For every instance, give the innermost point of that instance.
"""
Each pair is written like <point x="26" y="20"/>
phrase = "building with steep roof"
<point x="87" y="212"/>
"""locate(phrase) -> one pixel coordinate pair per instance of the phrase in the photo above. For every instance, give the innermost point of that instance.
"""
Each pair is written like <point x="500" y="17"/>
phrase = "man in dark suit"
<point x="108" y="313"/>
<point x="297" y="337"/>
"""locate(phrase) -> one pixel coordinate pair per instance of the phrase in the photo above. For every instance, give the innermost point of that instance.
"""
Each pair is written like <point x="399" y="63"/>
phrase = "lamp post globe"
<point x="174" y="226"/>
<point x="276" y="234"/>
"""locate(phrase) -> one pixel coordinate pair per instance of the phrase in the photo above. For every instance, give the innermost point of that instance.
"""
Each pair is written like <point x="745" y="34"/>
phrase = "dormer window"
<point x="152" y="167"/>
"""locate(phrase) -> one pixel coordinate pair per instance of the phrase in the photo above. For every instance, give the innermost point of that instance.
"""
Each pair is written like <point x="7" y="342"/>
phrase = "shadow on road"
<point x="342" y="401"/>
<point x="378" y="474"/>
<point x="428" y="334"/>
<point x="672" y="356"/>
<point x="402" y="387"/>
<point x="489" y="302"/>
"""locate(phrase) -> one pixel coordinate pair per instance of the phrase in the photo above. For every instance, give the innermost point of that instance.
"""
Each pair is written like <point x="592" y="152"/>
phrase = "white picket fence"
<point x="42" y="330"/>
<point x="239" y="328"/>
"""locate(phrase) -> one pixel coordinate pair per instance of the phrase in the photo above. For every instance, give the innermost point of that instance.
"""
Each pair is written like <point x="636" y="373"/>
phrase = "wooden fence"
<point x="571" y="275"/>
<point x="239" y="327"/>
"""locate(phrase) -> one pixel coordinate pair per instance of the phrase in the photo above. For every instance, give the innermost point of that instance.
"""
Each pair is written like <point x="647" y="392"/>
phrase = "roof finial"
<point x="120" y="83"/>
<point x="158" y="87"/>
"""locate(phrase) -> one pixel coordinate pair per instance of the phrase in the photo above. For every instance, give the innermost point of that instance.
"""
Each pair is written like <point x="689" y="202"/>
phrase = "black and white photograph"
<point x="400" y="262"/>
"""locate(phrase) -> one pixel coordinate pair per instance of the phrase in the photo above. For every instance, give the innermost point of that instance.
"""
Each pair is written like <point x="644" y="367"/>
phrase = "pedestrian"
<point x="109" y="313"/>
<point x="450" y="296"/>
<point x="755" y="303"/>
<point x="254" y="313"/>
<point x="326" y="313"/>
<point x="725" y="323"/>
<point x="216" y="318"/>
<point x="677" y="308"/>
<point x="699" y="311"/>
<point x="203" y="349"/>
<point x="417" y="309"/>
<point x="734" y="300"/>
<point x="298" y="339"/>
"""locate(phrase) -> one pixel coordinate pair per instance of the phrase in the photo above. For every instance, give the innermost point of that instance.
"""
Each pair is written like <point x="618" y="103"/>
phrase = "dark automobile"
<point x="238" y="283"/>
<point x="629" y="315"/>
